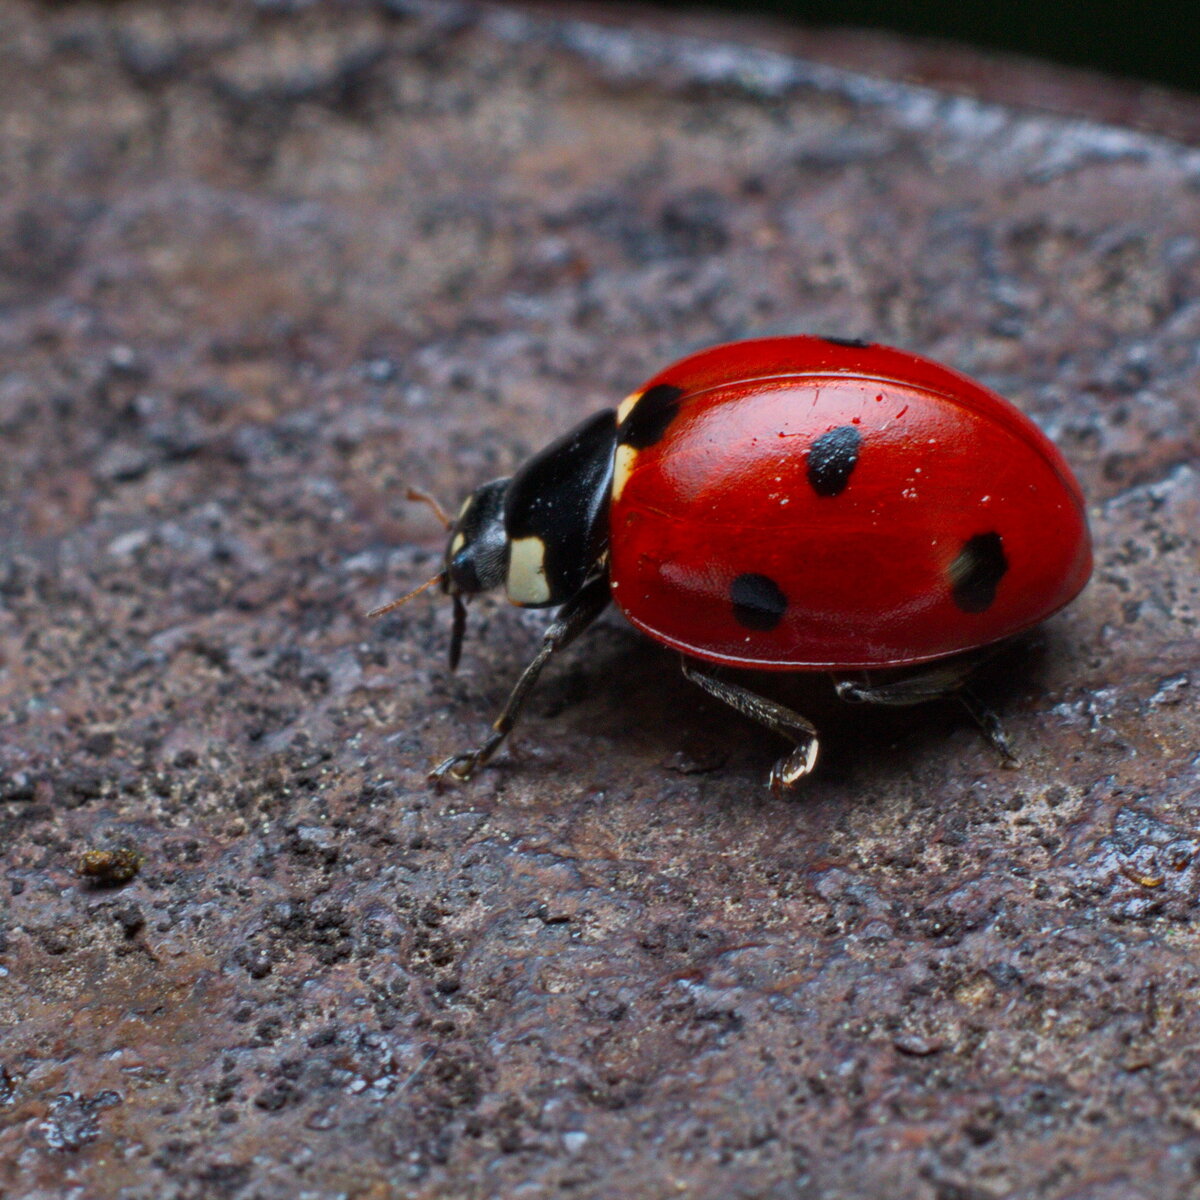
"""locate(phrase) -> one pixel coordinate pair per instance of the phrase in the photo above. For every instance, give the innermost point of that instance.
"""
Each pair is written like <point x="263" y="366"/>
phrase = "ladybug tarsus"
<point x="573" y="618"/>
<point x="793" y="767"/>
<point x="990" y="725"/>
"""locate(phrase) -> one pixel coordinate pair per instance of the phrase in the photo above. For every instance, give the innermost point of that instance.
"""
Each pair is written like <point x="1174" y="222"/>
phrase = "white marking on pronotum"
<point x="527" y="571"/>
<point x="626" y="406"/>
<point x="624" y="458"/>
<point x="623" y="462"/>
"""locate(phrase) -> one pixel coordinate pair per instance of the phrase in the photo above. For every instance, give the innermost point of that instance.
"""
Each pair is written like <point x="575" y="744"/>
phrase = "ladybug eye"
<point x="461" y="571"/>
<point x="477" y="552"/>
<point x="478" y="567"/>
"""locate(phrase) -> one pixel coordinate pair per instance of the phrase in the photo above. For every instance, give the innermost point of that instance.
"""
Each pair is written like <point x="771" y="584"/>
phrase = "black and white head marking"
<point x="477" y="552"/>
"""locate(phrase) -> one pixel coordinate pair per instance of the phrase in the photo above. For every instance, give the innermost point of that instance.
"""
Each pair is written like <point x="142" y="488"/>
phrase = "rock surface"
<point x="261" y="267"/>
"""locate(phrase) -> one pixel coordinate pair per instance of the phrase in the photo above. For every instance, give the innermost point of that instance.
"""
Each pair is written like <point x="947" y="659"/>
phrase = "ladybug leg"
<point x="573" y="618"/>
<point x="989" y="723"/>
<point x="940" y="682"/>
<point x="793" y="767"/>
<point x="931" y="683"/>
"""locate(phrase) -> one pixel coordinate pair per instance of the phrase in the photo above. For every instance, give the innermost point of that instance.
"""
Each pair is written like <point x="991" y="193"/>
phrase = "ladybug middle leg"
<point x="945" y="680"/>
<point x="793" y="767"/>
<point x="573" y="618"/>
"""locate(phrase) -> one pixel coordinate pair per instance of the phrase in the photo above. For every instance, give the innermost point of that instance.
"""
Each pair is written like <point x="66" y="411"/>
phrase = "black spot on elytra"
<point x="831" y="460"/>
<point x="849" y="343"/>
<point x="648" y="421"/>
<point x="757" y="602"/>
<point x="976" y="572"/>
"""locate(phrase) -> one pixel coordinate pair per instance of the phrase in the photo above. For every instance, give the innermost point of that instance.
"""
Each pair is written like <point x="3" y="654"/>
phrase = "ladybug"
<point x="785" y="504"/>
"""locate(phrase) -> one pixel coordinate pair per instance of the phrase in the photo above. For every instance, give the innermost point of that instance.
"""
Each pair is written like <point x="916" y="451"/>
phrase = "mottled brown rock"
<point x="262" y="267"/>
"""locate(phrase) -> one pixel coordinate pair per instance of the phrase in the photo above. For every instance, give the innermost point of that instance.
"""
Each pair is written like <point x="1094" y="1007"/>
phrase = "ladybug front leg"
<point x="939" y="682"/>
<point x="790" y="769"/>
<point x="573" y="618"/>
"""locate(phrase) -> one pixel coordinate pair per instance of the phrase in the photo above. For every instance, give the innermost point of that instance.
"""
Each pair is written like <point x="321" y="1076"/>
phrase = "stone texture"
<point x="261" y="267"/>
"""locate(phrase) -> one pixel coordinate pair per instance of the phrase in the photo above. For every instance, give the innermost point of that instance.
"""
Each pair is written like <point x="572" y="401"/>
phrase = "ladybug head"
<point x="476" y="555"/>
<point x="477" y="548"/>
<point x="541" y="533"/>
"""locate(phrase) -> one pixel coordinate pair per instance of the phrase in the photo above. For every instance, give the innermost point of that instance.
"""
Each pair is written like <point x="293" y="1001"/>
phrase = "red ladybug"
<point x="787" y="504"/>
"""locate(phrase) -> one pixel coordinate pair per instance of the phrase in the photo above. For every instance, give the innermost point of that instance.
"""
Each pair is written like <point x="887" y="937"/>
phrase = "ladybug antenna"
<point x="392" y="605"/>
<point x="425" y="498"/>
<point x="458" y="629"/>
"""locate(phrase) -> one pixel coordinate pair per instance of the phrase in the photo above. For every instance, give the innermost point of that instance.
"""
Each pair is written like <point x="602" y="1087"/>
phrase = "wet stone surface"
<point x="264" y="266"/>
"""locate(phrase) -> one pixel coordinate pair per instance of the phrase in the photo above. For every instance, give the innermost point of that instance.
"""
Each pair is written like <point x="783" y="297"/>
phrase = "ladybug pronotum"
<point x="785" y="504"/>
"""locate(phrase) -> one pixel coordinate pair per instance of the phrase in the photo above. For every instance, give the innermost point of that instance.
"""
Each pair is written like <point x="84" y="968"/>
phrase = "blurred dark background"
<point x="1155" y="43"/>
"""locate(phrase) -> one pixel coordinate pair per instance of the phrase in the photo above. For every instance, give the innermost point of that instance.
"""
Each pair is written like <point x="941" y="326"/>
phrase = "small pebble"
<point x="917" y="1045"/>
<point x="109" y="867"/>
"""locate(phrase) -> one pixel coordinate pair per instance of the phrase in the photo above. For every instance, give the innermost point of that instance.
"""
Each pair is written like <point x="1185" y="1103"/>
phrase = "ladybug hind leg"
<point x="573" y="618"/>
<point x="938" y="682"/>
<point x="793" y="767"/>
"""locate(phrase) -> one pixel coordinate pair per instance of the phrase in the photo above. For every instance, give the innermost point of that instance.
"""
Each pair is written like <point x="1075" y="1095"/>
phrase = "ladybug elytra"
<point x="785" y="504"/>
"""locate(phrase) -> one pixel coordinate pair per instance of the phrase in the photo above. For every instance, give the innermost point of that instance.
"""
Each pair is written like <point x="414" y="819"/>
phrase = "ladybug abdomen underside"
<point x="832" y="521"/>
